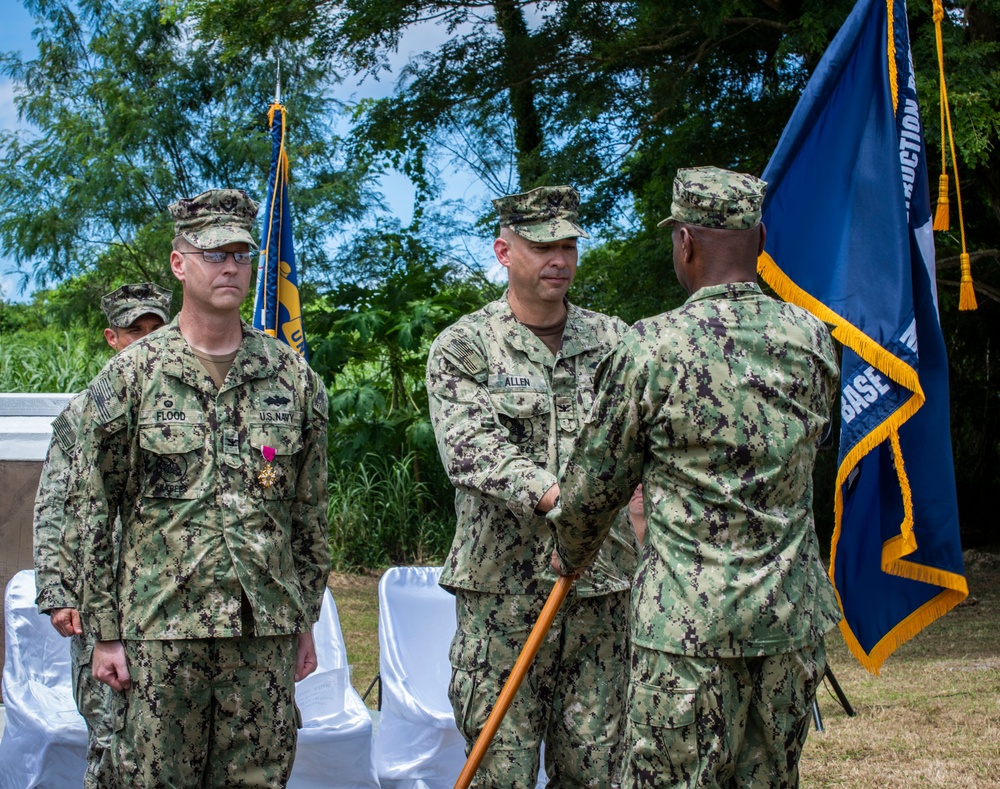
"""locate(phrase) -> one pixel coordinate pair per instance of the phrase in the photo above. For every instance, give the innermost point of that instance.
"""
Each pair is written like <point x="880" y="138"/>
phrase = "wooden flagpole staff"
<point x="521" y="666"/>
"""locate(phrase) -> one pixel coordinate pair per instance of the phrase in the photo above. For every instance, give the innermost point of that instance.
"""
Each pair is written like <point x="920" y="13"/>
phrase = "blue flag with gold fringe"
<point x="849" y="238"/>
<point x="277" y="310"/>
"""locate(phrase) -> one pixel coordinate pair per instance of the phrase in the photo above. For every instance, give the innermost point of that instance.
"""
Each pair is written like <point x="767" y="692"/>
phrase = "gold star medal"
<point x="268" y="475"/>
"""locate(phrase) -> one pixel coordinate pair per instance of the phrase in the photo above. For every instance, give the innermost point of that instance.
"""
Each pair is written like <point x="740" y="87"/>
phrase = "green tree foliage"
<point x="390" y="499"/>
<point x="373" y="334"/>
<point x="615" y="96"/>
<point x="127" y="114"/>
<point x="609" y="96"/>
<point x="50" y="360"/>
<point x="50" y="344"/>
<point x="382" y="513"/>
<point x="971" y="34"/>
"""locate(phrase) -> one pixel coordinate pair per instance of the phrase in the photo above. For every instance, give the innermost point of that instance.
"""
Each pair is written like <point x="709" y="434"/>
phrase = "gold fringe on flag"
<point x="942" y="219"/>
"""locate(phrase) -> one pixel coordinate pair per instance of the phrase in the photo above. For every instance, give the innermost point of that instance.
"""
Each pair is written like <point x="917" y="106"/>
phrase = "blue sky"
<point x="15" y="35"/>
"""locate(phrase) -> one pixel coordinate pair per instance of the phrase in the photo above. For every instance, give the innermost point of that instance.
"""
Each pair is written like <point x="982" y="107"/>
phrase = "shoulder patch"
<point x="466" y="356"/>
<point x="109" y="406"/>
<point x="63" y="431"/>
<point x="321" y="402"/>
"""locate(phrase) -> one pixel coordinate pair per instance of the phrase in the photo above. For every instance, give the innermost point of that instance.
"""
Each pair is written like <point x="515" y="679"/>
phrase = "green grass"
<point x="50" y="360"/>
<point x="357" y="606"/>
<point x="381" y="514"/>
<point x="932" y="719"/>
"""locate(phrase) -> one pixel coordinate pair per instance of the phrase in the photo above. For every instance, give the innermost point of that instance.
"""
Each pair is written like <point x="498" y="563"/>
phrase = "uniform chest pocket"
<point x="275" y="478"/>
<point x="173" y="460"/>
<point x="525" y="415"/>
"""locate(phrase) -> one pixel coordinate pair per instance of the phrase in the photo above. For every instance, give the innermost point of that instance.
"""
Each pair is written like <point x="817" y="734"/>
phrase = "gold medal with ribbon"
<point x="268" y="475"/>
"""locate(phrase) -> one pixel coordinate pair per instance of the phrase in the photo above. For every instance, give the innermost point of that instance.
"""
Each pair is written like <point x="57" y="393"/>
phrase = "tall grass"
<point x="49" y="360"/>
<point x="380" y="515"/>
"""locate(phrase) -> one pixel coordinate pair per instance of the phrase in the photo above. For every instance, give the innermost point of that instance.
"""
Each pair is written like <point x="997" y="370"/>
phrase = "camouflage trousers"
<point x="94" y="700"/>
<point x="572" y="697"/>
<point x="719" y="722"/>
<point x="208" y="712"/>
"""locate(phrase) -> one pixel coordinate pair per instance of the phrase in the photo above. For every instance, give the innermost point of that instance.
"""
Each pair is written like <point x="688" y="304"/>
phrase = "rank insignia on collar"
<point x="268" y="475"/>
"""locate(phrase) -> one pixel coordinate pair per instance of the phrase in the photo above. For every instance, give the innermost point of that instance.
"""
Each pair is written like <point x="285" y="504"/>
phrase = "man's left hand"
<point x="66" y="621"/>
<point x="305" y="657"/>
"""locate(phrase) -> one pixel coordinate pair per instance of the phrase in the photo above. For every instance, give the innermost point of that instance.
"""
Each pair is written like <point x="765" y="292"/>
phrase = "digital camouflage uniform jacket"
<point x="56" y="536"/>
<point x="506" y="414"/>
<point x="717" y="407"/>
<point x="182" y="460"/>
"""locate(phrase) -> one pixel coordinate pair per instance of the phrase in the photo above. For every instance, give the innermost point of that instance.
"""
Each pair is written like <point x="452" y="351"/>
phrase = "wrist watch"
<point x="555" y="504"/>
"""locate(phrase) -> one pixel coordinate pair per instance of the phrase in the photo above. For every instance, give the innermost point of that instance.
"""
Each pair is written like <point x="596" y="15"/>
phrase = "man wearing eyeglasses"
<point x="209" y="438"/>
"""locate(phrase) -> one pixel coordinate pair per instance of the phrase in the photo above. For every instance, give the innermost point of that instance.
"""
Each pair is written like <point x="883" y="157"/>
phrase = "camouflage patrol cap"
<point x="215" y="218"/>
<point x="711" y="197"/>
<point x="545" y="214"/>
<point x="127" y="303"/>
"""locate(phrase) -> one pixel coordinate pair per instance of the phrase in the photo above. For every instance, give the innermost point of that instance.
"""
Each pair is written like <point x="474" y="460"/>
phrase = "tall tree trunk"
<point x="519" y="66"/>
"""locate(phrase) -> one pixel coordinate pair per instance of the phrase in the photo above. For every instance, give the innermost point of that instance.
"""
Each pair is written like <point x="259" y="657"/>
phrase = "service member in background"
<point x="133" y="311"/>
<point x="717" y="407"/>
<point x="509" y="387"/>
<point x="209" y="439"/>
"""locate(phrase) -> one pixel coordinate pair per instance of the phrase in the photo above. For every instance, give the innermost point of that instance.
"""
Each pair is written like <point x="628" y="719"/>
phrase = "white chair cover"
<point x="417" y="745"/>
<point x="335" y="741"/>
<point x="45" y="739"/>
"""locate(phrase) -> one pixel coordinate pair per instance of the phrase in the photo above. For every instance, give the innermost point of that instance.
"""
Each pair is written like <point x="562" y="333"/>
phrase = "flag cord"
<point x="282" y="171"/>
<point x="942" y="219"/>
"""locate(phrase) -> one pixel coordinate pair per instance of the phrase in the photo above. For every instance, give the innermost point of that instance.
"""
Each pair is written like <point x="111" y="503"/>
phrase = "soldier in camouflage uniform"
<point x="509" y="387"/>
<point x="717" y="407"/>
<point x="209" y="439"/>
<point x="133" y="312"/>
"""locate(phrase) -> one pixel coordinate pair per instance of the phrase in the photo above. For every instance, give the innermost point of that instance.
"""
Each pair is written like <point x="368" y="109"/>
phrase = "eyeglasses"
<point x="217" y="258"/>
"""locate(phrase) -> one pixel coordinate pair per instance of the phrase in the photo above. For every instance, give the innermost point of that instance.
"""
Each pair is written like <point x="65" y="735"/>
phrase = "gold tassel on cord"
<point x="942" y="218"/>
<point x="967" y="296"/>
